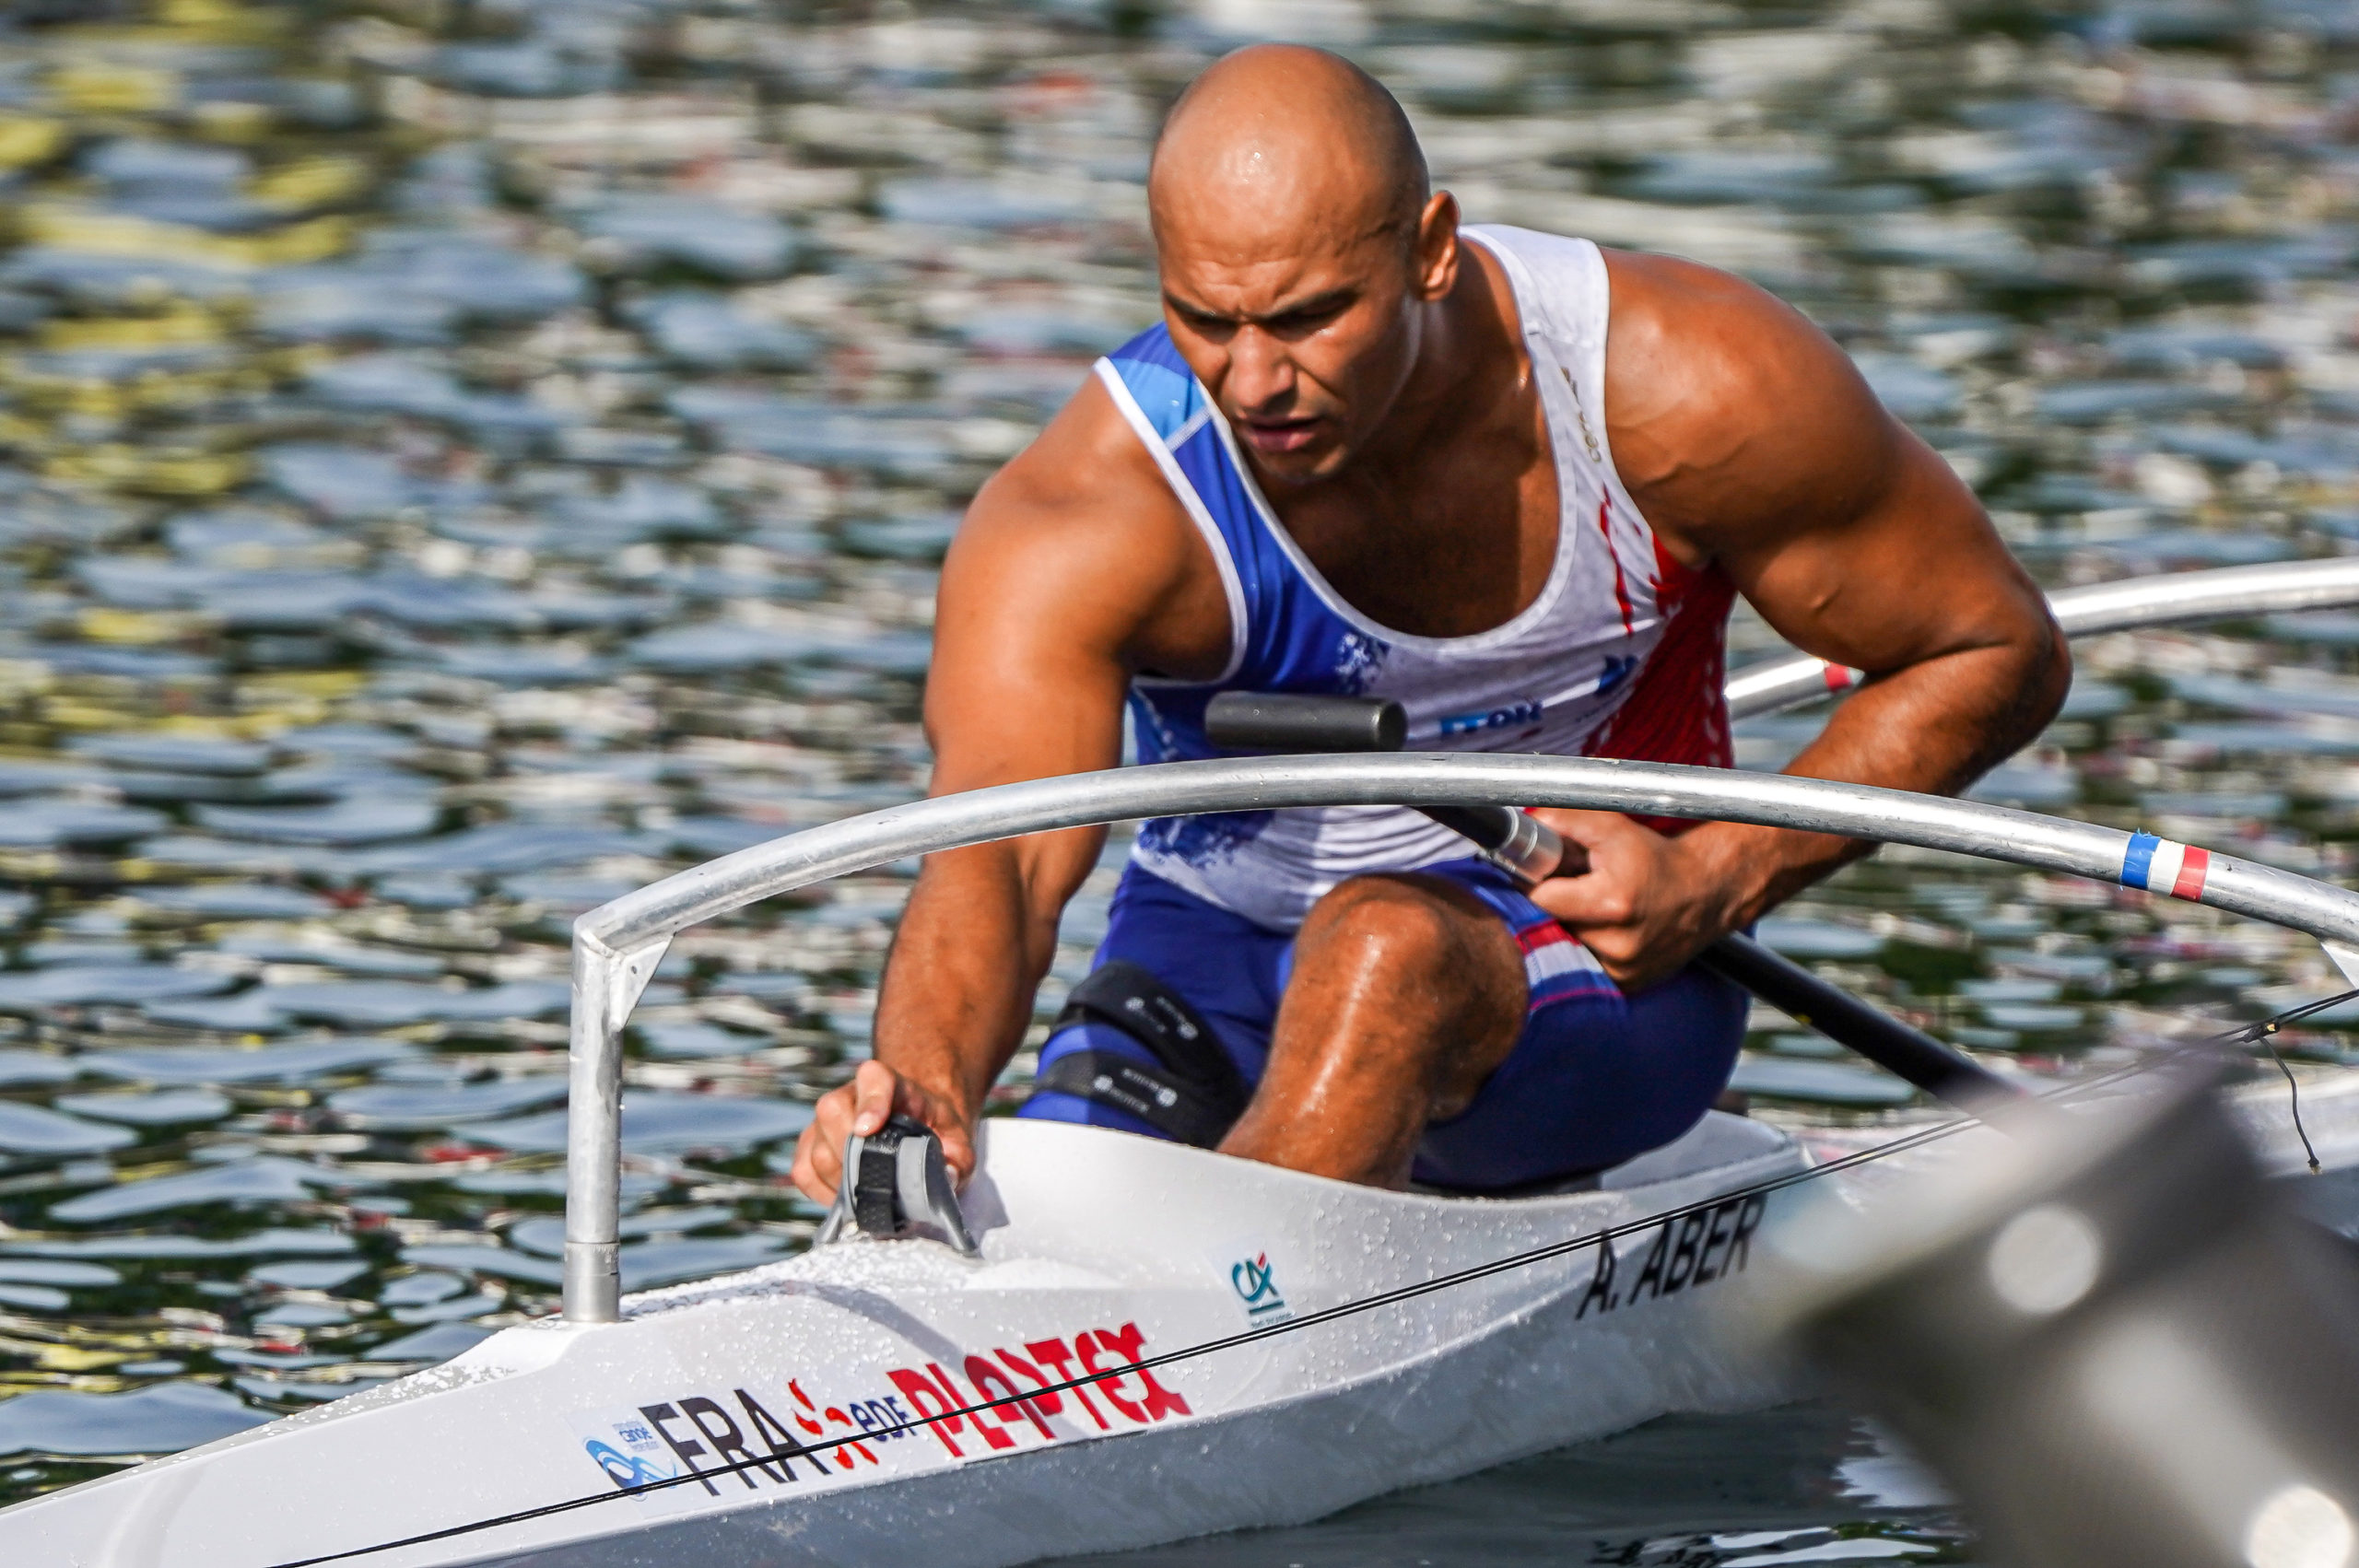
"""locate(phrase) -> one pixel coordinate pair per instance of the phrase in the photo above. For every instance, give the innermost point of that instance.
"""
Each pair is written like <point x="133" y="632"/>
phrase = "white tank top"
<point x="1620" y="655"/>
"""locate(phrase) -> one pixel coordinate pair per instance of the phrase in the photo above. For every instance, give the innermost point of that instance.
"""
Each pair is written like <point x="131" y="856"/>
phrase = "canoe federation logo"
<point x="638" y="1460"/>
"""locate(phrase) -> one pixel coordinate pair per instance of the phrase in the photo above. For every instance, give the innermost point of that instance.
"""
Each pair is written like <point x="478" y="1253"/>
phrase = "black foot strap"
<point x="1191" y="1093"/>
<point x="1145" y="1092"/>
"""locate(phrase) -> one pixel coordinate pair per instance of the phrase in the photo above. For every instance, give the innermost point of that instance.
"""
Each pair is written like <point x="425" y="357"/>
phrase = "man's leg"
<point x="1407" y="991"/>
<point x="1598" y="1078"/>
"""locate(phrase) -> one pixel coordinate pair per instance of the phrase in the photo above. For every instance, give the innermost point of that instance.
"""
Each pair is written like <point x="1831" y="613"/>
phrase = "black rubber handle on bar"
<point x="1304" y="721"/>
<point x="1268" y="722"/>
<point x="1301" y="721"/>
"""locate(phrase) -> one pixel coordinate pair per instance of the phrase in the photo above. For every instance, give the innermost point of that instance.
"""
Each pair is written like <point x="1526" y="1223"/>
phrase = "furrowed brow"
<point x="1317" y="305"/>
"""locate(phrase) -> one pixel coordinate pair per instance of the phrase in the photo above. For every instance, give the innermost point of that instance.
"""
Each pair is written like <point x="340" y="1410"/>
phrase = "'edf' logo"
<point x="1255" y="1284"/>
<point x="1514" y="716"/>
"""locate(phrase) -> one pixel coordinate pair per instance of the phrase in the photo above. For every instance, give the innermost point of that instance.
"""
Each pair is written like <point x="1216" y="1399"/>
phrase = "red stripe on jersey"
<point x="1677" y="576"/>
<point x="1676" y="710"/>
<point x="1621" y="584"/>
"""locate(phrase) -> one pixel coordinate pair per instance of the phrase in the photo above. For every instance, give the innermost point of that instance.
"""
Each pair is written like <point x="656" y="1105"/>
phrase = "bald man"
<point x="1513" y="481"/>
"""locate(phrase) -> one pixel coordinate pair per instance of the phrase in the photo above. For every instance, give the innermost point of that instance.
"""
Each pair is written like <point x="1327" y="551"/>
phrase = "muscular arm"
<point x="1751" y="442"/>
<point x="1073" y="568"/>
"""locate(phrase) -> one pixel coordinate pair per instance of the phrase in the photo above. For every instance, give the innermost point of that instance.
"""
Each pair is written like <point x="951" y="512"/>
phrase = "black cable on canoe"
<point x="2261" y="1031"/>
<point x="2265" y="1033"/>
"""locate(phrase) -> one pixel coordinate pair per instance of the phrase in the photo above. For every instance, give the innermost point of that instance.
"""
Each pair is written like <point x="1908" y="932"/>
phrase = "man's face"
<point x="1303" y="339"/>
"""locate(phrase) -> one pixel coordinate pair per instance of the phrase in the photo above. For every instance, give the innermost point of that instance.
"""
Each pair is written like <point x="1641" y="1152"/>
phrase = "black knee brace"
<point x="1192" y="1092"/>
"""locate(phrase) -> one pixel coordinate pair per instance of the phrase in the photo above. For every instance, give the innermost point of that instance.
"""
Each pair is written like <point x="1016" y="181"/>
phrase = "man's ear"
<point x="1438" y="247"/>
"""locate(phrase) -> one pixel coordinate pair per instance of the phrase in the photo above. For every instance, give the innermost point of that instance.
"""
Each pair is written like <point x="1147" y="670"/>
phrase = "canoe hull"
<point x="1099" y="1249"/>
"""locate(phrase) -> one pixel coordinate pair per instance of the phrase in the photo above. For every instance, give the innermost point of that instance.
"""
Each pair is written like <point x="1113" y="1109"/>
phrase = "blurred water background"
<point x="461" y="460"/>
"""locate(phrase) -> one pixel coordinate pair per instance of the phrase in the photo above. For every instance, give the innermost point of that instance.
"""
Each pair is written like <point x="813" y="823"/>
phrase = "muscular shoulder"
<point x="1729" y="413"/>
<point x="1081" y="527"/>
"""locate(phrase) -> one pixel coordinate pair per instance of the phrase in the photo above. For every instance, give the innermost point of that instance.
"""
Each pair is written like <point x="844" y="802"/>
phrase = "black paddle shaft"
<point x="1909" y="1053"/>
<point x="1298" y="722"/>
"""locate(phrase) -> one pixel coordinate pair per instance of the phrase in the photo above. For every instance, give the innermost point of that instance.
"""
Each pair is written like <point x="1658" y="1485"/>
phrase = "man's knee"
<point x="1408" y="958"/>
<point x="1410" y="927"/>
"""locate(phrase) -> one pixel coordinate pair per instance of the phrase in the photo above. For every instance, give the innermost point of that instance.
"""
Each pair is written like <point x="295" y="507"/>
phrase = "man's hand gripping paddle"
<point x="1531" y="852"/>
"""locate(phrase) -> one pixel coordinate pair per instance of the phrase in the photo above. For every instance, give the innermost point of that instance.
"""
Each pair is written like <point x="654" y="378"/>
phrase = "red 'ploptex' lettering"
<point x="926" y="1397"/>
<point x="1056" y="1355"/>
<point x="1107" y="1357"/>
<point x="1155" y="1400"/>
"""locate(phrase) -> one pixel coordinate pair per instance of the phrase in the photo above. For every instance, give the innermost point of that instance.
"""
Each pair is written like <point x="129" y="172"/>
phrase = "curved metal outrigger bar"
<point x="2273" y="590"/>
<point x="618" y="945"/>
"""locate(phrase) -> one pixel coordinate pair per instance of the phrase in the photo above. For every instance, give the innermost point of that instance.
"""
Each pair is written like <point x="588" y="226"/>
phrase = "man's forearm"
<point x="958" y="985"/>
<point x="1933" y="728"/>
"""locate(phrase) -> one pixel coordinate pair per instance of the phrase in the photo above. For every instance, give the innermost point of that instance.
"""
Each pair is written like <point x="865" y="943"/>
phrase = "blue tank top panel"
<point x="1283" y="636"/>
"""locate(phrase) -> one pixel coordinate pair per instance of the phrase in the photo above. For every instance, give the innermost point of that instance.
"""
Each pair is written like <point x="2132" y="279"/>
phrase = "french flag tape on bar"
<point x="2163" y="865"/>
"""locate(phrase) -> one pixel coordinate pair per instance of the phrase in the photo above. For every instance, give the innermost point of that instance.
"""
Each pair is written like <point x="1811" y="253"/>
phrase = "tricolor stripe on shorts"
<point x="1557" y="967"/>
<point x="2164" y="865"/>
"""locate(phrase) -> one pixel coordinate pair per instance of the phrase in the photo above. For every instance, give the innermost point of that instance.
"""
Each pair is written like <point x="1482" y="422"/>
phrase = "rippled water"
<point x="459" y="463"/>
<point x="1804" y="1484"/>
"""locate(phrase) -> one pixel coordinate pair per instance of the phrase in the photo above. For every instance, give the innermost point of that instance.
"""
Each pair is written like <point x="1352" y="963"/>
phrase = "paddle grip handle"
<point x="1304" y="721"/>
<point x="1517" y="842"/>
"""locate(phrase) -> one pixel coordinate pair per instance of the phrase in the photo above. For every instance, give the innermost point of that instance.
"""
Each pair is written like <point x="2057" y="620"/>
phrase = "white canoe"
<point x="1097" y="1248"/>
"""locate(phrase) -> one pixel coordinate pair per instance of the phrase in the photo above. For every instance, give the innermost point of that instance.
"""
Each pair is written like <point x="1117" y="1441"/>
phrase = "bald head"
<point x="1279" y="143"/>
<point x="1302" y="259"/>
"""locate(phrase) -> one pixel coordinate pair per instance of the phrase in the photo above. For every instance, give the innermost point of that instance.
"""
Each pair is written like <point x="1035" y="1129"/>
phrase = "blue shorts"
<point x="1597" y="1077"/>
